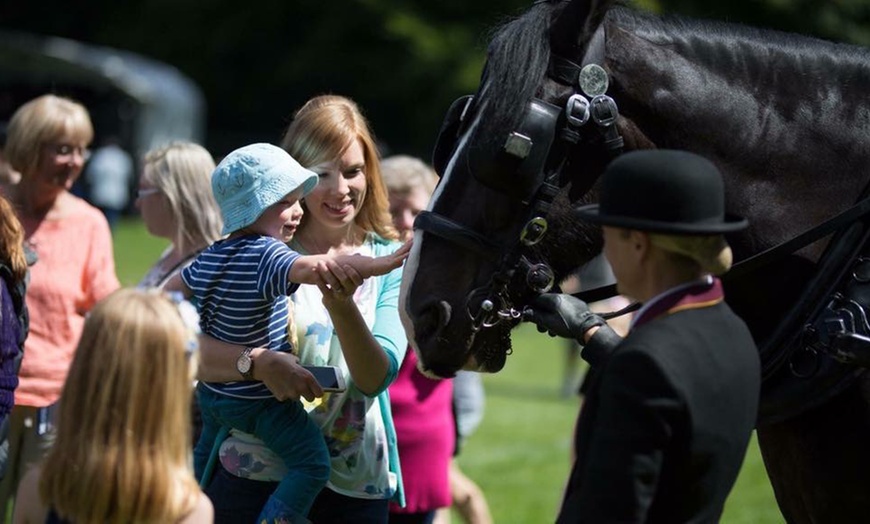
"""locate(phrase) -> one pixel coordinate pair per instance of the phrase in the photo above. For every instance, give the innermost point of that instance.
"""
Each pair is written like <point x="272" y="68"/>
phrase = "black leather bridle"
<point x="529" y="167"/>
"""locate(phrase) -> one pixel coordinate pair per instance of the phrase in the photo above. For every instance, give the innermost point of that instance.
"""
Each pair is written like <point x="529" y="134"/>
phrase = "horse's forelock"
<point x="517" y="59"/>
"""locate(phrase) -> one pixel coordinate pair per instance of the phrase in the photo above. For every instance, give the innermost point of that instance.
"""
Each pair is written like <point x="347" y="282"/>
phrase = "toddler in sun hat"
<point x="241" y="286"/>
<point x="254" y="177"/>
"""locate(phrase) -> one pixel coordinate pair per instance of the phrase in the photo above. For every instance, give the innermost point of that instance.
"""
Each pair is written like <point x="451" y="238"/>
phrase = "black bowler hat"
<point x="662" y="191"/>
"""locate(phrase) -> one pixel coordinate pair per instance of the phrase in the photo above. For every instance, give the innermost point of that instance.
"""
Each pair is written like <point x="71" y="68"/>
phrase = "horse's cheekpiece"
<point x="528" y="167"/>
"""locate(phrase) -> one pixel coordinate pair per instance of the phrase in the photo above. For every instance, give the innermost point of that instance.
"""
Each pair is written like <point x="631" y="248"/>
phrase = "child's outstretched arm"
<point x="305" y="269"/>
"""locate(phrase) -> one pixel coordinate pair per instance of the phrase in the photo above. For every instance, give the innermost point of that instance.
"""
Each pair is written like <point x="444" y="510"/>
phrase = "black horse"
<point x="787" y="120"/>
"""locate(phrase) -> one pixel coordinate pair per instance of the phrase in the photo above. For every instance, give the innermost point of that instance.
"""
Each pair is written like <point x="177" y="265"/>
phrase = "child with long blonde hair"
<point x="122" y="452"/>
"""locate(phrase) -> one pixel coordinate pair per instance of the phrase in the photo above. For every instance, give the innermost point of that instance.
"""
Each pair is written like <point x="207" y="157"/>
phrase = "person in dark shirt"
<point x="14" y="259"/>
<point x="669" y="409"/>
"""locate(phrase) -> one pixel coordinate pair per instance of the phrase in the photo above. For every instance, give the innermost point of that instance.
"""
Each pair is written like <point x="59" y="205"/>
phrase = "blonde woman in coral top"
<point x="47" y="143"/>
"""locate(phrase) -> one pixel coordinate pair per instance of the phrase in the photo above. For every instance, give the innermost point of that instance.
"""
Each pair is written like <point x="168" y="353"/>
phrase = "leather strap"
<point x="567" y="72"/>
<point x="804" y="239"/>
<point x="445" y="228"/>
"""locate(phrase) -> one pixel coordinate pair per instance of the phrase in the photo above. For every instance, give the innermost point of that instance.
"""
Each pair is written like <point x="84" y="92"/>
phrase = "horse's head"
<point x="513" y="159"/>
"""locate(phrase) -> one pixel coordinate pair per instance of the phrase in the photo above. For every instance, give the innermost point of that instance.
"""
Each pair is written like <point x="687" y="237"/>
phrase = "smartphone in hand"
<point x="329" y="377"/>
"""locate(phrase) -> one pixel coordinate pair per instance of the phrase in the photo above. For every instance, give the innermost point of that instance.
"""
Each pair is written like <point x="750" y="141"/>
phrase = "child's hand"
<point x="385" y="264"/>
<point x="405" y="250"/>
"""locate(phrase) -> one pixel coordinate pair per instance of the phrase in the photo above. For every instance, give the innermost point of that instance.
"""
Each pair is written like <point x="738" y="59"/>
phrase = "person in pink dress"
<point x="422" y="406"/>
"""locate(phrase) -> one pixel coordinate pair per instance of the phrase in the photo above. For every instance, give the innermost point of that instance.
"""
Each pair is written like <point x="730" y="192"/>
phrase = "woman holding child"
<point x="347" y="322"/>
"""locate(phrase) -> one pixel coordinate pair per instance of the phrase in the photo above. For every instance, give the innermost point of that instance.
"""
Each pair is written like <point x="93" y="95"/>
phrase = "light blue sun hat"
<point x="254" y="177"/>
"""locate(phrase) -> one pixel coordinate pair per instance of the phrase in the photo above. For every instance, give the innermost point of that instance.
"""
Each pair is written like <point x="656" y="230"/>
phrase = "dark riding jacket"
<point x="667" y="417"/>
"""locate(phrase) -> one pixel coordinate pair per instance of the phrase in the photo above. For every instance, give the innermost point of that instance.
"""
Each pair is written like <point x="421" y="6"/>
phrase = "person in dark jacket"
<point x="670" y="409"/>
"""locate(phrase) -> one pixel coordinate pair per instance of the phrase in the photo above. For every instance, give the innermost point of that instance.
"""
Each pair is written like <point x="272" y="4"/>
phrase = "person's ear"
<point x="640" y="243"/>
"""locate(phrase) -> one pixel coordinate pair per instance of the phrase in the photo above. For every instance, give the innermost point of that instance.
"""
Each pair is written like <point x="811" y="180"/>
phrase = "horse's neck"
<point x="786" y="118"/>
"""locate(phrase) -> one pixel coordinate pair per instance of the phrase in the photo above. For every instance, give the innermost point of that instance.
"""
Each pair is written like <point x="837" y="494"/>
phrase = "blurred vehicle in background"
<point x="139" y="102"/>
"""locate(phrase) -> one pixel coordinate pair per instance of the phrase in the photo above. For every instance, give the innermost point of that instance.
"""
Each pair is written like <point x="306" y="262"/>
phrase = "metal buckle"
<point x="577" y="110"/>
<point x="533" y="231"/>
<point x="540" y="278"/>
<point x="604" y="110"/>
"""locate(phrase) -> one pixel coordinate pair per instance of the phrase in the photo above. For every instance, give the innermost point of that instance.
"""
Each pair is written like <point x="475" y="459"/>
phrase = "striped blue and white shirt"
<point x="240" y="286"/>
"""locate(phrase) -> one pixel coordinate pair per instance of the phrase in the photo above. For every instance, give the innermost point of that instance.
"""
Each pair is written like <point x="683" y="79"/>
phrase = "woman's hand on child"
<point x="338" y="282"/>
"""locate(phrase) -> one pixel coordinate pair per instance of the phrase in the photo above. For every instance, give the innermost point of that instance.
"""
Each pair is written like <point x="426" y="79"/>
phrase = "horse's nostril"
<point x="432" y="320"/>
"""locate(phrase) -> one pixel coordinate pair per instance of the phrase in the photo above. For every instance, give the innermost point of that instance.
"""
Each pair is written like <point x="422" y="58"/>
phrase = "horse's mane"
<point x="710" y="37"/>
<point x="517" y="60"/>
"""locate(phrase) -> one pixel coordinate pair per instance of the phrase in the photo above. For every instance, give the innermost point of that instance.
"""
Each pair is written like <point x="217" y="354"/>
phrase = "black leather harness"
<point x="830" y="320"/>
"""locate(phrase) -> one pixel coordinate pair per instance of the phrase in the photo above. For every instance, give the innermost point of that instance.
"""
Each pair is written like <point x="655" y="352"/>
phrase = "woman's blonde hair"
<point x="182" y="172"/>
<point x="320" y="132"/>
<point x="122" y="451"/>
<point x="711" y="252"/>
<point x="41" y="121"/>
<point x="12" y="241"/>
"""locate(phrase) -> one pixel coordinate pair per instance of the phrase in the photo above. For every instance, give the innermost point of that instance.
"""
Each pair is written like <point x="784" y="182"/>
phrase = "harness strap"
<point x="567" y="72"/>
<point x="563" y="70"/>
<point x="804" y="239"/>
<point x="449" y="230"/>
<point x="595" y="49"/>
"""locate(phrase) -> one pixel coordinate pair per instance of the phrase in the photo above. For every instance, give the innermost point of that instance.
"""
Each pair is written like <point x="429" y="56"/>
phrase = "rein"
<point x="806" y="238"/>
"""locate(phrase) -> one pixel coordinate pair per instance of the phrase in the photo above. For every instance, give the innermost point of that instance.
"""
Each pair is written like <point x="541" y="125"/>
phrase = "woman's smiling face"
<point x="341" y="190"/>
<point x="60" y="164"/>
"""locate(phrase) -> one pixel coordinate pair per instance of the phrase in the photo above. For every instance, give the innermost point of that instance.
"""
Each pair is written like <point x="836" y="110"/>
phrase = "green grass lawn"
<point x="520" y="453"/>
<point x="135" y="250"/>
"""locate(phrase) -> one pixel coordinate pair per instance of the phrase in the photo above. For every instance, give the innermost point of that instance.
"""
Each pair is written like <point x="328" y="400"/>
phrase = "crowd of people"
<point x="190" y="398"/>
<point x="74" y="268"/>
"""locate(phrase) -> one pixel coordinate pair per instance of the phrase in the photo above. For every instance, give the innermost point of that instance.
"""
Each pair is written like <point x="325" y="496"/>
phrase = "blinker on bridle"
<point x="534" y="154"/>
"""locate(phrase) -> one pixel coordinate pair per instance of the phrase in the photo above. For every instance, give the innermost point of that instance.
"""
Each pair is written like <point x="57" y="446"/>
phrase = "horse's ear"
<point x="574" y="26"/>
